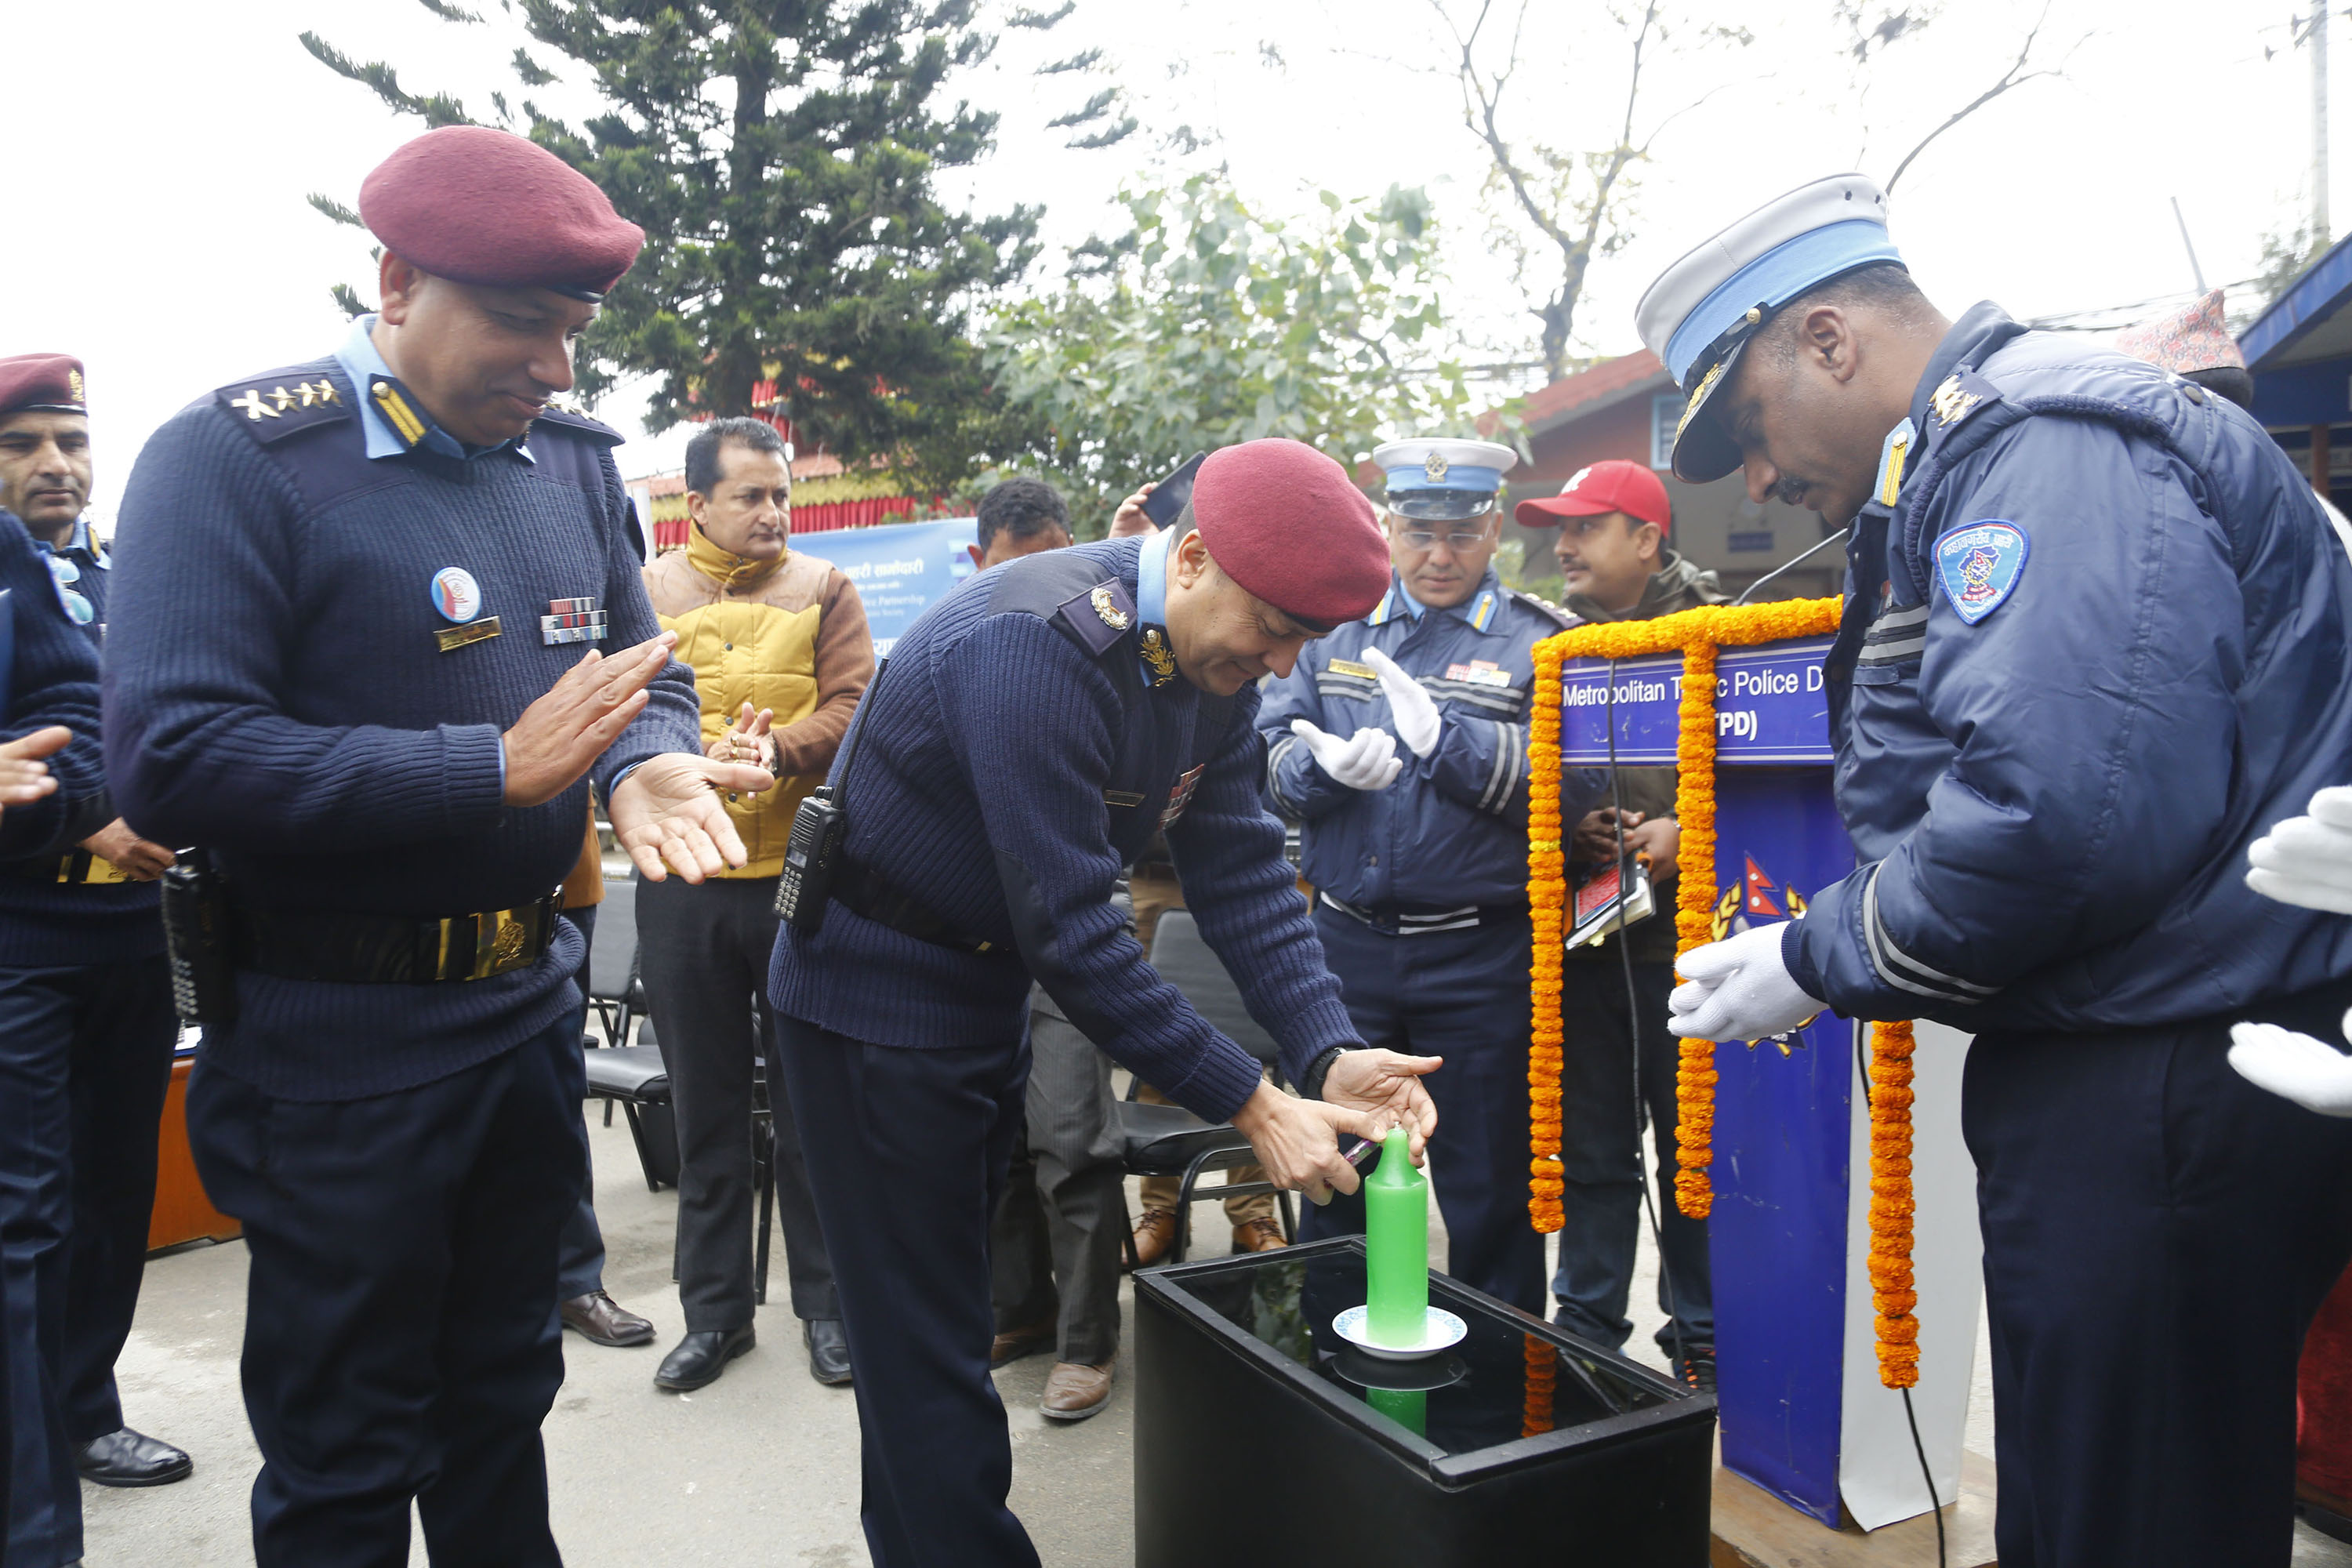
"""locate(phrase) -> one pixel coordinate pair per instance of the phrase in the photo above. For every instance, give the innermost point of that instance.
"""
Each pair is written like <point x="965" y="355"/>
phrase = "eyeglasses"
<point x="1457" y="540"/>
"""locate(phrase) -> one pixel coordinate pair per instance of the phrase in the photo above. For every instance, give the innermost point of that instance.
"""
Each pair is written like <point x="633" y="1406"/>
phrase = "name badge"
<point x="1350" y="666"/>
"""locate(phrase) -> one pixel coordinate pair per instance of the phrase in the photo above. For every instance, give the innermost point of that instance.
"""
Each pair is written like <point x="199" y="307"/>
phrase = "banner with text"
<point x="900" y="570"/>
<point x="1771" y="706"/>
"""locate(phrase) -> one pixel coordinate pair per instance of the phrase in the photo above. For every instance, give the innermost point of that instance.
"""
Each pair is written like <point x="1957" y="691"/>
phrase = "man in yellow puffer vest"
<point x="780" y="656"/>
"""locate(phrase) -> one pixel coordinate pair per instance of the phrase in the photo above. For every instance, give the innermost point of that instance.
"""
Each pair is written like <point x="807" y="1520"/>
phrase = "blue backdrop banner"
<point x="900" y="570"/>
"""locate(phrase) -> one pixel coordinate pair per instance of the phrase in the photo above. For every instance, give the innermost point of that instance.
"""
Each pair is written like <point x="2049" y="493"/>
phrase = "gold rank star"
<point x="283" y="398"/>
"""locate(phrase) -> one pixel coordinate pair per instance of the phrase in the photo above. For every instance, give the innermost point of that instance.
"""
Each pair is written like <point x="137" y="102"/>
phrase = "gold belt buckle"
<point x="501" y="939"/>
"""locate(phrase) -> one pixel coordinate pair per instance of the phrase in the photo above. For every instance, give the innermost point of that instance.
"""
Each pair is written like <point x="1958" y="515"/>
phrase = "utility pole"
<point x="2316" y="36"/>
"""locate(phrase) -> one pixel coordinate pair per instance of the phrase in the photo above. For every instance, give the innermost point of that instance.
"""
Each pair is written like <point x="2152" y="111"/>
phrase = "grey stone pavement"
<point x="759" y="1468"/>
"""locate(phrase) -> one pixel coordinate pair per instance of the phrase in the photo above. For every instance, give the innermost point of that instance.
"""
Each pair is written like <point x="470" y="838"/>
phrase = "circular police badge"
<point x="455" y="594"/>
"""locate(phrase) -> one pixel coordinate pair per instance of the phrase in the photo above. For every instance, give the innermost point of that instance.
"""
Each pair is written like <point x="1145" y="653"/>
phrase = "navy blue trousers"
<point x="907" y="1151"/>
<point x="580" y="1253"/>
<point x="85" y="1060"/>
<point x="401" y="1338"/>
<point x="1601" y="1147"/>
<point x="1463" y="995"/>
<point x="2157" y="1234"/>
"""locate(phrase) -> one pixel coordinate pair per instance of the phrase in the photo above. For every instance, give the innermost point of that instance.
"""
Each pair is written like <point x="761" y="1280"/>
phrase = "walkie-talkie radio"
<point x="812" y="851"/>
<point x="196" y="939"/>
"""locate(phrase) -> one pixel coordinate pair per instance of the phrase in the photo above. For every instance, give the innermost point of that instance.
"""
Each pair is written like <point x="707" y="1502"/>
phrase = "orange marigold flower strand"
<point x="1892" y="1287"/>
<point x="1542" y="1379"/>
<point x="1547" y="907"/>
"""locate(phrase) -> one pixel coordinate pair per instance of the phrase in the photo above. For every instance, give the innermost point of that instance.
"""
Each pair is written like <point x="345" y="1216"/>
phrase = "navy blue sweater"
<point x="274" y="693"/>
<point x="53" y="679"/>
<point x="984" y="767"/>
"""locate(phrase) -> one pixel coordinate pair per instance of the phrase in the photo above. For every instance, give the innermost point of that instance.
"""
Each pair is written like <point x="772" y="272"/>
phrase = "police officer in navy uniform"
<point x="2092" y="647"/>
<point x="1026" y="738"/>
<point x="87" y="1031"/>
<point x="379" y="625"/>
<point x="1401" y="744"/>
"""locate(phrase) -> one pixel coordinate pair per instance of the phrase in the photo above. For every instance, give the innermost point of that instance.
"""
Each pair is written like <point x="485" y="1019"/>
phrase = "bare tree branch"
<point x="2009" y="79"/>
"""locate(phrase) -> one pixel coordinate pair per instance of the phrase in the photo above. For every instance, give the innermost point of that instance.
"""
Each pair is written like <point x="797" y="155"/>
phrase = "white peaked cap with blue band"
<point x="1442" y="479"/>
<point x="1702" y="311"/>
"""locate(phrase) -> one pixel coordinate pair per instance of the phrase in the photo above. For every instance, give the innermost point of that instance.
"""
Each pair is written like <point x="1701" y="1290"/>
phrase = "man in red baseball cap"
<point x="1613" y="518"/>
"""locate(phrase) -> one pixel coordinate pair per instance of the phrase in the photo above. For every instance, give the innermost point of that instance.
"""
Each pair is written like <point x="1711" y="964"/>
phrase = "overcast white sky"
<point x="162" y="152"/>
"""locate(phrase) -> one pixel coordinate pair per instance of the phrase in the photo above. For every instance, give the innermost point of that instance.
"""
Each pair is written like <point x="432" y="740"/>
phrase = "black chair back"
<point x="615" y="947"/>
<point x="1186" y="962"/>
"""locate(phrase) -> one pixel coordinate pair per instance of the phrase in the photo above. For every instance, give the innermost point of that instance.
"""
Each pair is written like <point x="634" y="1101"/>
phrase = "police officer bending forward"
<point x="349" y="664"/>
<point x="1027" y="737"/>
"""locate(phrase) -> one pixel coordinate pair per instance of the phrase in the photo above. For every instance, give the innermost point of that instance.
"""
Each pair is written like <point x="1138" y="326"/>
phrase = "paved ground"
<point x="759" y="1468"/>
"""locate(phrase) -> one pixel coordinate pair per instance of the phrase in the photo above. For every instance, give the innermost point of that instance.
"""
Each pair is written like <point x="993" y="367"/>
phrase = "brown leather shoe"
<point x="1074" y="1392"/>
<point x="600" y="1321"/>
<point x="1014" y="1343"/>
<point x="1258" y="1235"/>
<point x="1155" y="1233"/>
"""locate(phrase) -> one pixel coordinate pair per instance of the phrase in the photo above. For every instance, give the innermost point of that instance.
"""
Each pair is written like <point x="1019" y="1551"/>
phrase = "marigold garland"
<point x="1547" y="904"/>
<point x="1542" y="1377"/>
<point x="1891" y="1283"/>
<point x="1698" y="634"/>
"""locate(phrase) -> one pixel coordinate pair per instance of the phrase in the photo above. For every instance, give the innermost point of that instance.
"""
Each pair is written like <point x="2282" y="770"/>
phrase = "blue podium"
<point x="1804" y="1413"/>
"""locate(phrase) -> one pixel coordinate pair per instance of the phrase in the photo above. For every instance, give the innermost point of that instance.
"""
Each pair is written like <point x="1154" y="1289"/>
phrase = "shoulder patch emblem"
<point x="1961" y="393"/>
<point x="1083" y="616"/>
<point x="1980" y="566"/>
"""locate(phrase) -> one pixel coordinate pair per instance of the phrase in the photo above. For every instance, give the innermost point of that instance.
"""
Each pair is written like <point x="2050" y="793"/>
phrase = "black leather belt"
<point x="1422" y="923"/>
<point x="348" y="949"/>
<point x="80" y="866"/>
<point x="862" y="890"/>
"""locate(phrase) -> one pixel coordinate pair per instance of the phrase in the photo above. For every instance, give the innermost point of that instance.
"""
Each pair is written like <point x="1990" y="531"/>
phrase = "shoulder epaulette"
<point x="1096" y="617"/>
<point x="1543" y="606"/>
<point x="572" y="417"/>
<point x="277" y="404"/>
<point x="1959" y="397"/>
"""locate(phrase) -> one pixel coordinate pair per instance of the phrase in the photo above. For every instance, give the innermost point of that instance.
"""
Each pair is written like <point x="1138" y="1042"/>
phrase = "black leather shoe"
<point x="128" y="1459"/>
<point x="600" y="1321"/>
<point x="700" y="1357"/>
<point x="828" y="1349"/>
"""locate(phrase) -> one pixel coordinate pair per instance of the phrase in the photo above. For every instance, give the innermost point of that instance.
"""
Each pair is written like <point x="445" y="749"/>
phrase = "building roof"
<point x="2309" y="321"/>
<point x="1589" y="391"/>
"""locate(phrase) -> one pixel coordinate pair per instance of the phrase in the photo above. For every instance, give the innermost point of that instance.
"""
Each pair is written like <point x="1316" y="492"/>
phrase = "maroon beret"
<point x="51" y="382"/>
<point x="1287" y="523"/>
<point x="478" y="205"/>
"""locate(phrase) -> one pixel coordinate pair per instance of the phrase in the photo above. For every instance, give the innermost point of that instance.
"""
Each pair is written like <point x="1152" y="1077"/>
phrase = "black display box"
<point x="1256" y="1440"/>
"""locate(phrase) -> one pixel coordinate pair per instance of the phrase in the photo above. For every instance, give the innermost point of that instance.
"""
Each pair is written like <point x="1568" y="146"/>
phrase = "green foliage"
<point x="1205" y="324"/>
<point x="781" y="157"/>
<point x="2288" y="254"/>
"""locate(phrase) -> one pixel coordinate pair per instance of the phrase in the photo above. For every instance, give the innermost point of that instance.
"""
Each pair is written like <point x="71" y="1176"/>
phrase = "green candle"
<point x="1396" y="1246"/>
<point x="1408" y="1407"/>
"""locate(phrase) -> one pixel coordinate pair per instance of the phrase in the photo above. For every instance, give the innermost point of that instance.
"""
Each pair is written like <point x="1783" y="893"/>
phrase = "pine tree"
<point x="779" y="155"/>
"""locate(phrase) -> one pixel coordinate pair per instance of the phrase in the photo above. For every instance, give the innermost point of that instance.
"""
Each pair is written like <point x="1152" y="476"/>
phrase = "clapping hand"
<point x="747" y="739"/>
<point x="667" y="815"/>
<point x="559" y="737"/>
<point x="1366" y="760"/>
<point x="1409" y="703"/>
<point x="24" y="777"/>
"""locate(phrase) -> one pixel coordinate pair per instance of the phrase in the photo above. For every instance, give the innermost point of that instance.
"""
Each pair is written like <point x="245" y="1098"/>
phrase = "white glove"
<point x="2307" y="860"/>
<point x="1409" y="703"/>
<point x="1366" y="760"/>
<point x="2312" y="1073"/>
<point x="1738" y="989"/>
